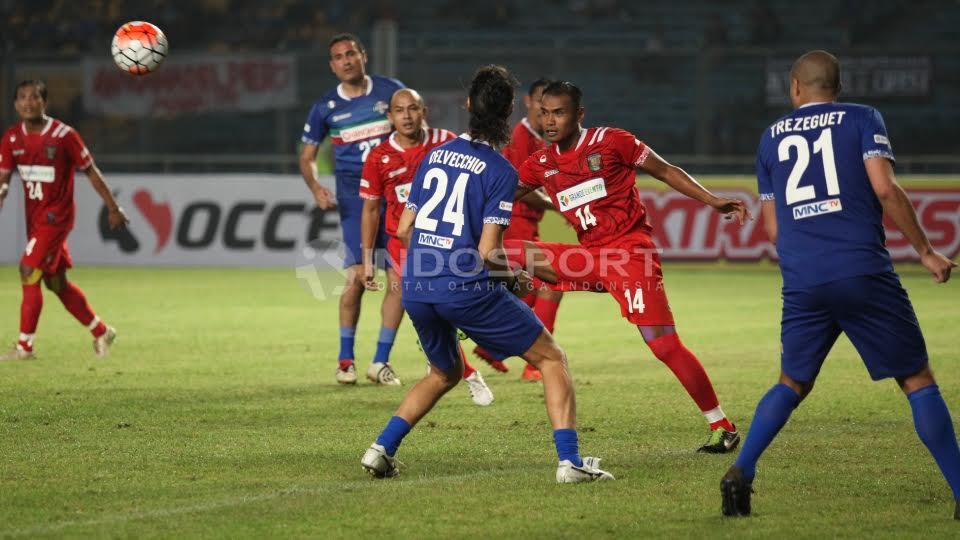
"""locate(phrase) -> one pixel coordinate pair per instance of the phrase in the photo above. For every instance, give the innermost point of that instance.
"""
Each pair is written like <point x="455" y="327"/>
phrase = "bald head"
<point x="408" y="93"/>
<point x="817" y="72"/>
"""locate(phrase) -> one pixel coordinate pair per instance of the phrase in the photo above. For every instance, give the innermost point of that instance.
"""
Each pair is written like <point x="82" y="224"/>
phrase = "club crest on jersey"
<point x="51" y="152"/>
<point x="380" y="107"/>
<point x="594" y="162"/>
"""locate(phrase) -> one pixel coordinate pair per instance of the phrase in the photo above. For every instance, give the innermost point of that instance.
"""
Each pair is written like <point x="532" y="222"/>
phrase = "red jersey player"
<point x="591" y="176"/>
<point x="45" y="152"/>
<point x="525" y="219"/>
<point x="387" y="174"/>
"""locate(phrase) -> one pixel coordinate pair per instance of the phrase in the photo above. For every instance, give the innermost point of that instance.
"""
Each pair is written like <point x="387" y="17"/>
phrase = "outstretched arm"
<point x="680" y="181"/>
<point x="897" y="205"/>
<point x="116" y="216"/>
<point x="538" y="199"/>
<point x="495" y="259"/>
<point x="4" y="185"/>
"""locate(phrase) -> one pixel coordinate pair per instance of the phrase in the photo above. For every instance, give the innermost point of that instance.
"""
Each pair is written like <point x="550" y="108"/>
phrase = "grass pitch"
<point x="217" y="415"/>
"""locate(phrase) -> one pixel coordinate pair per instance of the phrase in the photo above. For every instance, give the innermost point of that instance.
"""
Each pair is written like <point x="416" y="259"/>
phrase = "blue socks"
<point x="397" y="428"/>
<point x="931" y="418"/>
<point x="384" y="344"/>
<point x="346" y="342"/>
<point x="772" y="413"/>
<point x="567" y="446"/>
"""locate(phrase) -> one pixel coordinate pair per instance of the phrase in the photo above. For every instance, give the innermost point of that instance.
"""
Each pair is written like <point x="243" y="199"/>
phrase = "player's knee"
<point x="802" y="389"/>
<point x="662" y="345"/>
<point x="53" y="283"/>
<point x="447" y="378"/>
<point x="921" y="379"/>
<point x="30" y="276"/>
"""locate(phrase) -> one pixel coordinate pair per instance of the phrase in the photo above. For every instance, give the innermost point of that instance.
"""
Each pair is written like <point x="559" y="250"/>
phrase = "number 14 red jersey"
<point x="593" y="184"/>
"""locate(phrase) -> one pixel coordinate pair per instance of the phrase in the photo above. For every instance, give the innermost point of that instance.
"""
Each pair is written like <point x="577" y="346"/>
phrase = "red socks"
<point x="688" y="370"/>
<point x="30" y="308"/>
<point x="546" y="311"/>
<point x="467" y="368"/>
<point x="76" y="303"/>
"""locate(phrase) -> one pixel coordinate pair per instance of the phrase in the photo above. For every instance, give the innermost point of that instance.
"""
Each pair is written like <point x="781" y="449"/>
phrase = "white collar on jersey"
<point x="583" y="135"/>
<point x="526" y="124"/>
<point x="46" y="127"/>
<point x="393" y="140"/>
<point x="366" y="78"/>
<point x="814" y="103"/>
<point x="467" y="137"/>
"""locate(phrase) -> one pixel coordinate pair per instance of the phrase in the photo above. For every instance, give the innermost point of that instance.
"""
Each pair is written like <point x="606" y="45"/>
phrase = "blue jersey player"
<point x="456" y="277"/>
<point x="826" y="178"/>
<point x="353" y="115"/>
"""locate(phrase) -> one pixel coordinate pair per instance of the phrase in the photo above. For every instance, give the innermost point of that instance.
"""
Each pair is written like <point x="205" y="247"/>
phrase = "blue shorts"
<point x="873" y="311"/>
<point x="497" y="321"/>
<point x="351" y="217"/>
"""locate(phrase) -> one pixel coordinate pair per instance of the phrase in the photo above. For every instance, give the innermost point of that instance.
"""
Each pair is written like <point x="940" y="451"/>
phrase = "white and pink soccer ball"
<point x="139" y="47"/>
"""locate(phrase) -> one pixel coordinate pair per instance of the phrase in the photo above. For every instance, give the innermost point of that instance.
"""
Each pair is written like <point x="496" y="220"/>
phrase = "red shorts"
<point x="629" y="270"/>
<point x="522" y="228"/>
<point x="396" y="253"/>
<point x="47" y="250"/>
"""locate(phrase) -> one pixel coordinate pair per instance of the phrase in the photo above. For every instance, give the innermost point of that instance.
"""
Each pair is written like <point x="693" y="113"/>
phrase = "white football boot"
<point x="568" y="473"/>
<point x="17" y="353"/>
<point x="479" y="391"/>
<point x="382" y="373"/>
<point x="376" y="462"/>
<point x="348" y="375"/>
<point x="101" y="345"/>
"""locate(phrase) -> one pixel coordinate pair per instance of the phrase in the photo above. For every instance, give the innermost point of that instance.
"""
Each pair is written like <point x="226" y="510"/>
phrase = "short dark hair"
<point x="565" y="88"/>
<point x="542" y="82"/>
<point x="491" y="103"/>
<point x="36" y="83"/>
<point x="346" y="36"/>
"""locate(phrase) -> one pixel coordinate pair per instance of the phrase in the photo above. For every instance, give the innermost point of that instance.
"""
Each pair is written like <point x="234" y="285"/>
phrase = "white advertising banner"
<point x="191" y="220"/>
<point x="188" y="84"/>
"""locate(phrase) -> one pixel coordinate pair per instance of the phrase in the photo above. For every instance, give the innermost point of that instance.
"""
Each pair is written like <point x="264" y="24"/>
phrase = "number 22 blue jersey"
<point x="829" y="220"/>
<point x="459" y="186"/>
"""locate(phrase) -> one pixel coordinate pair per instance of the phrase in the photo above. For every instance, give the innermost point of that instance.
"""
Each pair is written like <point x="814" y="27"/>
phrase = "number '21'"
<point x="824" y="145"/>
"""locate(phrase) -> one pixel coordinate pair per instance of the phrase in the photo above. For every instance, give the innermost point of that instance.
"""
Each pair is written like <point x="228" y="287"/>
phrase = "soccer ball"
<point x="139" y="47"/>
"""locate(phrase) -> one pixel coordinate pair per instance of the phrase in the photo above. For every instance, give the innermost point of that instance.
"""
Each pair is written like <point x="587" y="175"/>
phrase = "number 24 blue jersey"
<point x="829" y="220"/>
<point x="459" y="186"/>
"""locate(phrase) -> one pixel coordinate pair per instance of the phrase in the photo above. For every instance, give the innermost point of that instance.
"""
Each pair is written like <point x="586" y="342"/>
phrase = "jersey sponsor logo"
<point x="37" y="173"/>
<point x="364" y="131"/>
<point x="381" y="107"/>
<point x="403" y="191"/>
<point x="595" y="162"/>
<point x="392" y="174"/>
<point x="582" y="193"/>
<point x="306" y="128"/>
<point x="506" y="206"/>
<point x="18" y="152"/>
<point x="828" y="206"/>
<point x="880" y="139"/>
<point x="364" y="183"/>
<point x="433" y="240"/>
<point x="339" y="117"/>
<point x="331" y="104"/>
<point x="551" y="172"/>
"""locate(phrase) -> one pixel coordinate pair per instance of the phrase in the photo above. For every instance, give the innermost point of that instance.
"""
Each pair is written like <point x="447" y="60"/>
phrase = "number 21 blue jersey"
<point x="459" y="186"/>
<point x="829" y="220"/>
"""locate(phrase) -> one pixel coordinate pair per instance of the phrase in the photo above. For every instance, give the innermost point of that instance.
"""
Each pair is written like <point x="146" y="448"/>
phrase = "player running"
<point x="45" y="152"/>
<point x="526" y="139"/>
<point x="387" y="175"/>
<point x="353" y="115"/>
<point x="456" y="277"/>
<point x="591" y="176"/>
<point x="825" y="177"/>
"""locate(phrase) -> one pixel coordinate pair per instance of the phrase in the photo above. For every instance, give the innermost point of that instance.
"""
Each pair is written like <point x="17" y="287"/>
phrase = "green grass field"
<point x="217" y="416"/>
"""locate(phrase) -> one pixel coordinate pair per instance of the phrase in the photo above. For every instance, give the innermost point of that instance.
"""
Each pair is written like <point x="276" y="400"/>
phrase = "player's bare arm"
<point x="538" y="199"/>
<point x="116" y="216"/>
<point x="369" y="224"/>
<point x="680" y="181"/>
<point x="896" y="204"/>
<point x="308" y="169"/>
<point x="405" y="228"/>
<point x="495" y="259"/>
<point x="768" y="210"/>
<point x="4" y="185"/>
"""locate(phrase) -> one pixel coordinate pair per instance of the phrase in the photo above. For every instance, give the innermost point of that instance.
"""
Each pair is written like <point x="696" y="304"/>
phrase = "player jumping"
<point x="826" y="178"/>
<point x="45" y="152"/>
<point x="456" y="277"/>
<point x="591" y="176"/>
<point x="353" y="115"/>
<point x="526" y="139"/>
<point x="387" y="175"/>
